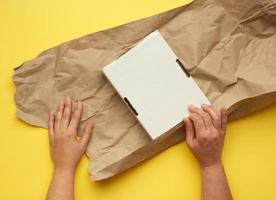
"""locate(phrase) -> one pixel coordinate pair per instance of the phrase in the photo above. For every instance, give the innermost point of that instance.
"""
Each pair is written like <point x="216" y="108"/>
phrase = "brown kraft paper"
<point x="228" y="47"/>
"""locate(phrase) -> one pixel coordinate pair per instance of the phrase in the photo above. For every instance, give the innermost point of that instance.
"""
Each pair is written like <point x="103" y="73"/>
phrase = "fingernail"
<point x="89" y="124"/>
<point x="79" y="104"/>
<point x="191" y="106"/>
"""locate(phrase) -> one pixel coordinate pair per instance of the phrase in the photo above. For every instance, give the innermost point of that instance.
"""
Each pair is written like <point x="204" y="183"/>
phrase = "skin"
<point x="205" y="133"/>
<point x="66" y="148"/>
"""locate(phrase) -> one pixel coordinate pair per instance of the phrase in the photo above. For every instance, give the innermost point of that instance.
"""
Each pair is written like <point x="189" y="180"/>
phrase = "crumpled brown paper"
<point x="228" y="47"/>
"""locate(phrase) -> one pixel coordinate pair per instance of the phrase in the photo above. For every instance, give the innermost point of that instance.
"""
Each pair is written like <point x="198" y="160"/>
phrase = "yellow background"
<point x="30" y="26"/>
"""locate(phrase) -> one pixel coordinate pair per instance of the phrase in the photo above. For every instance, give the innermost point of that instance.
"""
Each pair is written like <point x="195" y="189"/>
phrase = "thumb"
<point x="87" y="133"/>
<point x="190" y="133"/>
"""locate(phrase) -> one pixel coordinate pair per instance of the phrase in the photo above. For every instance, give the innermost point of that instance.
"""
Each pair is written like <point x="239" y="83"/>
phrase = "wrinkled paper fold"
<point x="228" y="47"/>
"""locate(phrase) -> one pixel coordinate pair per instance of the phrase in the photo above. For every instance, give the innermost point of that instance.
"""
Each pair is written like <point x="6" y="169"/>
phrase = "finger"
<point x="66" y="114"/>
<point x="223" y="115"/>
<point x="206" y="118"/>
<point x="190" y="133"/>
<point x="215" y="118"/>
<point x="74" y="124"/>
<point x="58" y="116"/>
<point x="87" y="133"/>
<point x="51" y="122"/>
<point x="198" y="123"/>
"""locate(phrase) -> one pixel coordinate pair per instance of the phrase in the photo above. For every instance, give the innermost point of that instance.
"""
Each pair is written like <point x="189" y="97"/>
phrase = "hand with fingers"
<point x="205" y="133"/>
<point x="67" y="147"/>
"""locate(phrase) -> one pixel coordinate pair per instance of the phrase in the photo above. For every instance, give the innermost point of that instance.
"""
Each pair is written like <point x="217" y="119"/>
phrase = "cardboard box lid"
<point x="154" y="84"/>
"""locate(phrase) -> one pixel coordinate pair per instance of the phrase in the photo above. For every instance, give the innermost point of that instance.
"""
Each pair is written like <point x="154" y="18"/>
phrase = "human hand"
<point x="66" y="146"/>
<point x="205" y="133"/>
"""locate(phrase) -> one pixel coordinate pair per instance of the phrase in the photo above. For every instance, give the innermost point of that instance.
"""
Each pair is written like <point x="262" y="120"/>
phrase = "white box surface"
<point x="149" y="78"/>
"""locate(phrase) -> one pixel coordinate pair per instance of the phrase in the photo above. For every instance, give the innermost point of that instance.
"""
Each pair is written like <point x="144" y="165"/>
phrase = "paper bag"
<point x="228" y="47"/>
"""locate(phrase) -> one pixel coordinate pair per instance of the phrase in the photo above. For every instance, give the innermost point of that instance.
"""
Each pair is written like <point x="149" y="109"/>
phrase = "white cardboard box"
<point x="154" y="85"/>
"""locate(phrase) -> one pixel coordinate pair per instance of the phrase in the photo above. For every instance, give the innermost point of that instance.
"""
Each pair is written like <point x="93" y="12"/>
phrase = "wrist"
<point x="213" y="165"/>
<point x="64" y="170"/>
